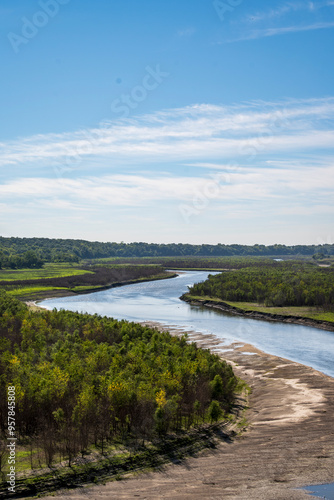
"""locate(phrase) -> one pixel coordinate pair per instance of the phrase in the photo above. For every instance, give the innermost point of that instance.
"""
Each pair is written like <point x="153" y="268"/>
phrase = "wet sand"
<point x="288" y="443"/>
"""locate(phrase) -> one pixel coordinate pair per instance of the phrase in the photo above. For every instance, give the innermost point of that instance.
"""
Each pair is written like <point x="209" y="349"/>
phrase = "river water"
<point x="159" y="301"/>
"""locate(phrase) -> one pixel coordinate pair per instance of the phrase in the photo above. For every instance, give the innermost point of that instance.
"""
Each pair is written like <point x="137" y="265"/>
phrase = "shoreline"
<point x="287" y="442"/>
<point x="263" y="316"/>
<point x="72" y="293"/>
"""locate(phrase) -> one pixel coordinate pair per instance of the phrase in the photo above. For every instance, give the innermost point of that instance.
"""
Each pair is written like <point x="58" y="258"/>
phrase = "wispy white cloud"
<point x="289" y="194"/>
<point x="240" y="184"/>
<point x="278" y="12"/>
<point x="287" y="8"/>
<point x="282" y="19"/>
<point x="282" y="30"/>
<point x="259" y="159"/>
<point x="186" y="134"/>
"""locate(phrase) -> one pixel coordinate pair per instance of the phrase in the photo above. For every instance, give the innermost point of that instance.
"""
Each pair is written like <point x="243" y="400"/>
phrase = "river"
<point x="159" y="301"/>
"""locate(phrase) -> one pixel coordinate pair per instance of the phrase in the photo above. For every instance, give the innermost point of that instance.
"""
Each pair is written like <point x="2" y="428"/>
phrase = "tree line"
<point x="83" y="379"/>
<point x="28" y="259"/>
<point x="282" y="284"/>
<point x="198" y="263"/>
<point x="69" y="250"/>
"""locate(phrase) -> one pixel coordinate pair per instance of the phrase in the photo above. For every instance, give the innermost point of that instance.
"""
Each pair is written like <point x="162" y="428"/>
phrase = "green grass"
<point x="114" y="262"/>
<point x="302" y="312"/>
<point x="22" y="292"/>
<point x="82" y="288"/>
<point x="48" y="271"/>
<point x="32" y="292"/>
<point x="23" y="460"/>
<point x="205" y="297"/>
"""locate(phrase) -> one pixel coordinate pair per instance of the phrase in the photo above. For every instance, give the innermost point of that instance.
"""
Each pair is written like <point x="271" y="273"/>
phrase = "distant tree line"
<point x="69" y="250"/>
<point x="82" y="379"/>
<point x="211" y="263"/>
<point x="28" y="259"/>
<point x="282" y="284"/>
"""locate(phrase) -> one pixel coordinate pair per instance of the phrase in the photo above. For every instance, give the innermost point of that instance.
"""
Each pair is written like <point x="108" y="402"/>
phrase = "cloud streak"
<point x="259" y="159"/>
<point x="185" y="134"/>
<point x="287" y="8"/>
<point x="283" y="30"/>
<point x="237" y="185"/>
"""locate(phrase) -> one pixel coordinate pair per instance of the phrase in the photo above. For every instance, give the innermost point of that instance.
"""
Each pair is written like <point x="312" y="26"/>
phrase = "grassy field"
<point x="302" y="312"/>
<point x="55" y="280"/>
<point x="48" y="271"/>
<point x="26" y="292"/>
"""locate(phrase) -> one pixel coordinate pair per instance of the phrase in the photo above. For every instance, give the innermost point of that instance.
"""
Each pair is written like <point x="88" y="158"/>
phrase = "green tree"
<point x="215" y="411"/>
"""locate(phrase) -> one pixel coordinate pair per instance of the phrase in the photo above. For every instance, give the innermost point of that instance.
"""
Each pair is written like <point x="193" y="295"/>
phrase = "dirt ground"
<point x="289" y="441"/>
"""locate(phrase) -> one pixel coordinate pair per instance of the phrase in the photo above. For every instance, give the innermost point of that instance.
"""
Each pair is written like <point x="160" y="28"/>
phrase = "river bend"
<point x="159" y="301"/>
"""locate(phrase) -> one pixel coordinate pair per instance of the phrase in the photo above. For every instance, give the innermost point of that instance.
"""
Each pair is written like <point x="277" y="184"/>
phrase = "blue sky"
<point x="180" y="121"/>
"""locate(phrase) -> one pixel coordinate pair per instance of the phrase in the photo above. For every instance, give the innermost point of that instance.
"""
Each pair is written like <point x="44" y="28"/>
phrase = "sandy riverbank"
<point x="289" y="442"/>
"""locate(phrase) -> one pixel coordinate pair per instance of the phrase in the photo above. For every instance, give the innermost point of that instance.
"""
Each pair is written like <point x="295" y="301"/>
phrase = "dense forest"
<point x="28" y="259"/>
<point x="281" y="284"/>
<point x="32" y="252"/>
<point x="82" y="379"/>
